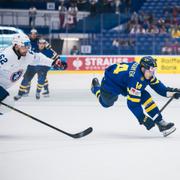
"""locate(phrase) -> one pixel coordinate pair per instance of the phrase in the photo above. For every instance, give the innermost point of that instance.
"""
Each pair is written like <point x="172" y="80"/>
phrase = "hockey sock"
<point x="152" y="109"/>
<point x="46" y="85"/>
<point x="22" y="90"/>
<point x="39" y="88"/>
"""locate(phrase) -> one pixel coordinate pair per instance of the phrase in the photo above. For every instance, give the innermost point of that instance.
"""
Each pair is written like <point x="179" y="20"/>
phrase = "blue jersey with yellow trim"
<point x="47" y="52"/>
<point x="127" y="79"/>
<point x="34" y="44"/>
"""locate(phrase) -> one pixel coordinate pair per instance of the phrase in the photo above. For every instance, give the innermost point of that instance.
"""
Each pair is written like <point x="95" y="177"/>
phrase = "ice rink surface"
<point x="118" y="148"/>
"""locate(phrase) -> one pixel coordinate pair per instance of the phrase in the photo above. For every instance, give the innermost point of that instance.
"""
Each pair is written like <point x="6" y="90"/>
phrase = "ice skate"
<point x="37" y="95"/>
<point x="95" y="85"/>
<point x="17" y="97"/>
<point x="166" y="128"/>
<point x="27" y="92"/>
<point x="46" y="93"/>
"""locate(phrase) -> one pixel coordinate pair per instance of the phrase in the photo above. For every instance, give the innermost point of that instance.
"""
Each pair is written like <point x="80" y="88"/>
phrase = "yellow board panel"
<point x="166" y="64"/>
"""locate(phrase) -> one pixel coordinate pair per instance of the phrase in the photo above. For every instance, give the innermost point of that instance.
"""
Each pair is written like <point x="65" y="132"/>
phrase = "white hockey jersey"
<point x="12" y="68"/>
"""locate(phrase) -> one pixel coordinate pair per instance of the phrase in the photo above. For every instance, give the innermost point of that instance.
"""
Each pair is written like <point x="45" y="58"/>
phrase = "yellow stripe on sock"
<point x="97" y="93"/>
<point x="147" y="101"/>
<point x="39" y="88"/>
<point x="45" y="84"/>
<point x="23" y="87"/>
<point x="23" y="90"/>
<point x="40" y="85"/>
<point x="133" y="99"/>
<point x="150" y="108"/>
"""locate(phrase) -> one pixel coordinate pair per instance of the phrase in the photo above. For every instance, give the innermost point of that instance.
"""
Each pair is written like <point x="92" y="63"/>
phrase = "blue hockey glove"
<point x="3" y="93"/>
<point x="59" y="65"/>
<point x="173" y="92"/>
<point x="148" y="122"/>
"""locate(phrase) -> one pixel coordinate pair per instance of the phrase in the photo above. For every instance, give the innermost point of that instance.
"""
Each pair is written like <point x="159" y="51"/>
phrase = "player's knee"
<point x="106" y="103"/>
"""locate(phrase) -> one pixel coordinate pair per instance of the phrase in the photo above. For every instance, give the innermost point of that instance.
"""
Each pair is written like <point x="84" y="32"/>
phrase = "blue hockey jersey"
<point x="48" y="52"/>
<point x="128" y="80"/>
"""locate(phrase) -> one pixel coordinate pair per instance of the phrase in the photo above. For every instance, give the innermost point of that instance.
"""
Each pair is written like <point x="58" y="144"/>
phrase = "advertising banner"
<point x="166" y="64"/>
<point x="94" y="63"/>
<point x="90" y="64"/>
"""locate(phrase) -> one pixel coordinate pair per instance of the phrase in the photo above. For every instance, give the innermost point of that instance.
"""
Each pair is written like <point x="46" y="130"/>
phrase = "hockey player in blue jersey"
<point x="41" y="71"/>
<point x="130" y="80"/>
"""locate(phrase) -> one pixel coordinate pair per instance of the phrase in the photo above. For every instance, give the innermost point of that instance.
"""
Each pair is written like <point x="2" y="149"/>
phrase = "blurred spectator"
<point x="74" y="50"/>
<point x="62" y="13"/>
<point x="72" y="11"/>
<point x="134" y="18"/>
<point x="93" y="6"/>
<point x="117" y="6"/>
<point x="162" y="30"/>
<point x="124" y="43"/>
<point x="171" y="48"/>
<point x="152" y="29"/>
<point x="32" y="16"/>
<point x="115" y="43"/>
<point x="137" y="29"/>
<point x="175" y="32"/>
<point x="127" y="6"/>
<point x="166" y="49"/>
<point x="175" y="48"/>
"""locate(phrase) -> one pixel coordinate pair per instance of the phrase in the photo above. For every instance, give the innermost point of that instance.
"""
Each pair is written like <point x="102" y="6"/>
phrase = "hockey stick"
<point x="77" y="135"/>
<point x="172" y="97"/>
<point x="165" y="105"/>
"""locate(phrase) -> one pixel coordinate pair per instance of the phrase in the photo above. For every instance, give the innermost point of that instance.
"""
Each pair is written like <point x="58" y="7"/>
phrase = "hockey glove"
<point x="59" y="65"/>
<point x="3" y="93"/>
<point x="148" y="122"/>
<point x="173" y="92"/>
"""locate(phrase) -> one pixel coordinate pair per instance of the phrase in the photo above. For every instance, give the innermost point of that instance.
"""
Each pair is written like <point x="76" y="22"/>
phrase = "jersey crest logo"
<point x="134" y="92"/>
<point x="16" y="75"/>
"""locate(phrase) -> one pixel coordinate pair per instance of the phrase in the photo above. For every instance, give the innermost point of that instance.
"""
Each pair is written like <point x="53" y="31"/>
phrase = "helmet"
<point x="33" y="31"/>
<point x="147" y="62"/>
<point x="41" y="40"/>
<point x="21" y="40"/>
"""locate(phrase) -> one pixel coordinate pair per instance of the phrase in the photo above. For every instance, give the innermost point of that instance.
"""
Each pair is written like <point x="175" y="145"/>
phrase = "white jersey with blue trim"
<point x="12" y="68"/>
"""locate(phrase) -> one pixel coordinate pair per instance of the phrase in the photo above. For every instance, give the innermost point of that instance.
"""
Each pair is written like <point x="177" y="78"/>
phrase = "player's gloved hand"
<point x="173" y="92"/>
<point x="148" y="122"/>
<point x="59" y="65"/>
<point x="3" y="93"/>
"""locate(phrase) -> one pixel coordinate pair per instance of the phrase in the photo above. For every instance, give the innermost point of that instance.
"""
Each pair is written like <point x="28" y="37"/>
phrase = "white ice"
<point x="118" y="148"/>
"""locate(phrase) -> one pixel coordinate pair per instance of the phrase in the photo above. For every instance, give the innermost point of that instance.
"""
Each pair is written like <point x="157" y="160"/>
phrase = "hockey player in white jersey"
<point x="14" y="61"/>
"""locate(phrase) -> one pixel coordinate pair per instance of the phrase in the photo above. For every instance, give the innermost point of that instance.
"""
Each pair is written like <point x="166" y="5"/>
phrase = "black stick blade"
<point x="83" y="133"/>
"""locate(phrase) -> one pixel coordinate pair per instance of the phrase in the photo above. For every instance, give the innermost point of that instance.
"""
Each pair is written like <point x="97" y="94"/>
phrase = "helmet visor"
<point x="27" y="44"/>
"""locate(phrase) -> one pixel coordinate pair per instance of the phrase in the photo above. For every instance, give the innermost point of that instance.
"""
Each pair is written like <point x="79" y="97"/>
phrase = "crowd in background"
<point x="146" y="23"/>
<point x="124" y="43"/>
<point x="68" y="9"/>
<point x="141" y="22"/>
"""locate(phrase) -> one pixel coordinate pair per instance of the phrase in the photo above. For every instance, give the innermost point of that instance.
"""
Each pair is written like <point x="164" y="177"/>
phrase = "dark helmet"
<point x="147" y="62"/>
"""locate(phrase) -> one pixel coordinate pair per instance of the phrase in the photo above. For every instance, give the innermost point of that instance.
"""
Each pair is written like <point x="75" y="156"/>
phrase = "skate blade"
<point x="169" y="131"/>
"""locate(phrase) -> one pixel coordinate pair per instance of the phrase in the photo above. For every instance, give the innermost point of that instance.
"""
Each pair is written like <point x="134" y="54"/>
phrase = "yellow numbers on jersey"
<point x="120" y="68"/>
<point x="138" y="85"/>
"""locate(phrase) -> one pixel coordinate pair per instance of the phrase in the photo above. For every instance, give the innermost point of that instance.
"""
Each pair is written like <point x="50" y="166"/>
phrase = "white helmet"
<point x="21" y="40"/>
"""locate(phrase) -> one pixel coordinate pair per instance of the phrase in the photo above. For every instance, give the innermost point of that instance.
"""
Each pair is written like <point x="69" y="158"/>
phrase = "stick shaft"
<point x="166" y="103"/>
<point x="34" y="118"/>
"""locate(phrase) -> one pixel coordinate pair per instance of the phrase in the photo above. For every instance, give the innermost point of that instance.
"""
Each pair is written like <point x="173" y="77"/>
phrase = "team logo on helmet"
<point x="16" y="75"/>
